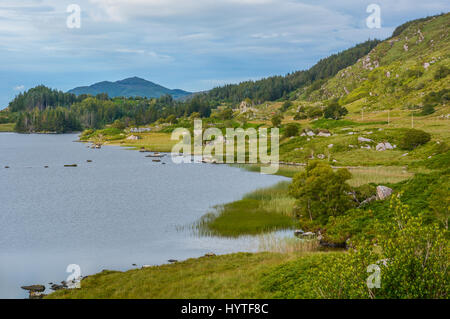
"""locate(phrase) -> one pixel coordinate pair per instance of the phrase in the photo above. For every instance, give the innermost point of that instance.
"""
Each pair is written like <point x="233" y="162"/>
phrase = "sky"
<point x="193" y="45"/>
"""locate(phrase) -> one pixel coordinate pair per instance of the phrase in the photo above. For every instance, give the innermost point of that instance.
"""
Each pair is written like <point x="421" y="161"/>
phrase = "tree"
<point x="413" y="138"/>
<point x="276" y="120"/>
<point x="118" y="124"/>
<point x="322" y="192"/>
<point x="172" y="119"/>
<point x="291" y="130"/>
<point x="427" y="109"/>
<point x="334" y="110"/>
<point x="286" y="105"/>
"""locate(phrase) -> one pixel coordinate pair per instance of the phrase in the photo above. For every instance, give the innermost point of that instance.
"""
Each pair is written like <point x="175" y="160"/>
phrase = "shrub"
<point x="441" y="73"/>
<point x="413" y="138"/>
<point x="427" y="109"/>
<point x="276" y="120"/>
<point x="412" y="258"/>
<point x="300" y="116"/>
<point x="334" y="110"/>
<point x="118" y="124"/>
<point x="321" y="192"/>
<point x="291" y="129"/>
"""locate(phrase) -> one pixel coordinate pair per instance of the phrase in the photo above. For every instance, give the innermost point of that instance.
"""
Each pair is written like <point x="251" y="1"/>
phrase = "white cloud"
<point x="19" y="88"/>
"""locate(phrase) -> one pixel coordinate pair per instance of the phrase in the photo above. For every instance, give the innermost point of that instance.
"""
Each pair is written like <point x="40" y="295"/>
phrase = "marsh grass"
<point x="285" y="245"/>
<point x="261" y="211"/>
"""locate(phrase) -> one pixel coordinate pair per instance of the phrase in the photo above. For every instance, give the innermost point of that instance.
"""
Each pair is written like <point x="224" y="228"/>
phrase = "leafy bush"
<point x="300" y="116"/>
<point x="321" y="192"/>
<point x="413" y="138"/>
<point x="334" y="111"/>
<point x="276" y="120"/>
<point x="291" y="129"/>
<point x="412" y="257"/>
<point x="118" y="124"/>
<point x="441" y="72"/>
<point x="427" y="109"/>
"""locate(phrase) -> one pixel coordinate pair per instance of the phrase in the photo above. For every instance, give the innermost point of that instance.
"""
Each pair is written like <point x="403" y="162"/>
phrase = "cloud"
<point x="184" y="42"/>
<point x="19" y="88"/>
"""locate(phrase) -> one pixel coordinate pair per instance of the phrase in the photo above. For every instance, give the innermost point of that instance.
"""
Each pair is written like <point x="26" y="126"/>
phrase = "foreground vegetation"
<point x="411" y="267"/>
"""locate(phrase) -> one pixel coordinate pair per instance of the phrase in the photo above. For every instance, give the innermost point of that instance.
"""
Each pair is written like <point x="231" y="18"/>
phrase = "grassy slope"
<point x="242" y="275"/>
<point x="7" y="127"/>
<point x="370" y="86"/>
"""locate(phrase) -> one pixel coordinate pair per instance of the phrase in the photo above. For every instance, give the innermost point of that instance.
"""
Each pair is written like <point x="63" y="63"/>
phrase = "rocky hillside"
<point x="400" y="72"/>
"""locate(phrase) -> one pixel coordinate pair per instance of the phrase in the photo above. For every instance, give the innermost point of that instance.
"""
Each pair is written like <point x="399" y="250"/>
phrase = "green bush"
<point x="321" y="192"/>
<point x="427" y="109"/>
<point x="300" y="116"/>
<point x="441" y="73"/>
<point x="291" y="129"/>
<point x="276" y="120"/>
<point x="334" y="110"/>
<point x="413" y="138"/>
<point x="412" y="258"/>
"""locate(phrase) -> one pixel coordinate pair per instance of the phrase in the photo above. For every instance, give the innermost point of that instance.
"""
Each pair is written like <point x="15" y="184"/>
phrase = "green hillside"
<point x="398" y="73"/>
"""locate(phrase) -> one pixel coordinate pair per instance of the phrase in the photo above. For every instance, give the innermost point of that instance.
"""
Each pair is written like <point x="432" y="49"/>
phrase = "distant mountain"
<point x="130" y="87"/>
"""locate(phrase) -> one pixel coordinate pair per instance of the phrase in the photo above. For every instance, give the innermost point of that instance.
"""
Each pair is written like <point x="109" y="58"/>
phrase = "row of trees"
<point x="276" y="87"/>
<point x="55" y="111"/>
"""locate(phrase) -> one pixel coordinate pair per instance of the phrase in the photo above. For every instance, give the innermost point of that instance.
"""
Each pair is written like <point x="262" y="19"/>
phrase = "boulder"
<point x="324" y="134"/>
<point x="388" y="146"/>
<point x="298" y="232"/>
<point x="308" y="234"/>
<point x="133" y="138"/>
<point x="383" y="192"/>
<point x="364" y="140"/>
<point x="385" y="146"/>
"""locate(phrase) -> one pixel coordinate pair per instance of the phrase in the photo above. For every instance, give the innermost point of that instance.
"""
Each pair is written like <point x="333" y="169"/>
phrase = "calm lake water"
<point x="119" y="210"/>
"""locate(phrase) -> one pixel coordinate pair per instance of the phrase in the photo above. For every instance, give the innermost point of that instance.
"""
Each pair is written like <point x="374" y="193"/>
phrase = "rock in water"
<point x="37" y="288"/>
<point x="35" y="291"/>
<point x="383" y="192"/>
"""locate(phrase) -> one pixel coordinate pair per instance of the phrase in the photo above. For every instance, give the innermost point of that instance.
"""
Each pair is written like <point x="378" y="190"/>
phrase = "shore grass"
<point x="155" y="142"/>
<point x="241" y="275"/>
<point x="243" y="217"/>
<point x="7" y="127"/>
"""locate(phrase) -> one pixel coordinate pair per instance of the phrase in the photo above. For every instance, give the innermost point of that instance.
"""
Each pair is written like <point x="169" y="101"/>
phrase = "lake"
<point x="119" y="210"/>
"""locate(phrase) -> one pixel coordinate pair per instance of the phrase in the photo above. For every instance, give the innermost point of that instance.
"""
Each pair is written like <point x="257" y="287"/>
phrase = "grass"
<point x="156" y="142"/>
<point x="7" y="127"/>
<point x="237" y="276"/>
<point x="378" y="175"/>
<point x="243" y="217"/>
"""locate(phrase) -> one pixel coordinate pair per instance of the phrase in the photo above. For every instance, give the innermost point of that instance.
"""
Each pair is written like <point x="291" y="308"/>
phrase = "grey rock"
<point x="383" y="192"/>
